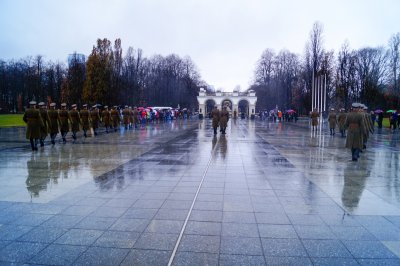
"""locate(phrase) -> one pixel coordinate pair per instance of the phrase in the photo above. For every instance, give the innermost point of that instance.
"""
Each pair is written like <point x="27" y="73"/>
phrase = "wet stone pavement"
<point x="264" y="194"/>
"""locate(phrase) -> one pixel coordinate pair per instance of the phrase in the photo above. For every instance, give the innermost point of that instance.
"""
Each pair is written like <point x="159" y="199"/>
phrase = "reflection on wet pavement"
<point x="266" y="193"/>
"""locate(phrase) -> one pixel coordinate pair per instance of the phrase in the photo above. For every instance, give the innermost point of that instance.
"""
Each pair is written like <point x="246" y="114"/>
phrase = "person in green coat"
<point x="223" y="120"/>
<point x="125" y="116"/>
<point x="84" y="114"/>
<point x="75" y="120"/>
<point x="53" y="122"/>
<point x="95" y="118"/>
<point x="106" y="118"/>
<point x="215" y="114"/>
<point x="34" y="123"/>
<point x="115" y="118"/>
<point x="332" y="121"/>
<point x="341" y="122"/>
<point x="45" y="117"/>
<point x="63" y="120"/>
<point x="355" y="128"/>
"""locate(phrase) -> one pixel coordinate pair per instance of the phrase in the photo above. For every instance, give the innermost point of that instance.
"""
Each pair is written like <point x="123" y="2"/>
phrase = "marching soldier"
<point x="342" y="121"/>
<point x="130" y="117"/>
<point x="135" y="117"/>
<point x="75" y="120"/>
<point x="63" y="120"/>
<point x="355" y="126"/>
<point x="115" y="118"/>
<point x="106" y="117"/>
<point x="84" y="114"/>
<point x="215" y="114"/>
<point x="45" y="119"/>
<point x="332" y="121"/>
<point x="125" y="115"/>
<point x="314" y="119"/>
<point x="53" y="122"/>
<point x="95" y="118"/>
<point x="223" y="120"/>
<point x="34" y="123"/>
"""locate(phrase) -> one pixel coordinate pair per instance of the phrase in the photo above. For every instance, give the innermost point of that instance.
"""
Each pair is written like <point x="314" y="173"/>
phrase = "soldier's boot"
<point x="64" y="139"/>
<point x="95" y="133"/>
<point x="41" y="142"/>
<point x="32" y="144"/>
<point x="106" y="129"/>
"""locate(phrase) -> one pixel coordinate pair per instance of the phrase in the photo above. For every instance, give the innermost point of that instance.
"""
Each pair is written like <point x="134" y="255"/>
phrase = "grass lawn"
<point x="11" y="120"/>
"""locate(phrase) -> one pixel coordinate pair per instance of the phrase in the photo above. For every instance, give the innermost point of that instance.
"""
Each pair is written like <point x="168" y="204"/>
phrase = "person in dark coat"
<point x="75" y="120"/>
<point x="63" y="121"/>
<point x="45" y="118"/>
<point x="53" y="122"/>
<point x="215" y="114"/>
<point x="342" y="121"/>
<point x="85" y="120"/>
<point x="355" y="129"/>
<point x="223" y="120"/>
<point x="34" y="123"/>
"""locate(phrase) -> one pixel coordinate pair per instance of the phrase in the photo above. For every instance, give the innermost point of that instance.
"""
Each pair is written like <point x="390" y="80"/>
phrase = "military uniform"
<point x="106" y="118"/>
<point x="332" y="121"/>
<point x="95" y="118"/>
<point x="125" y="116"/>
<point x="314" y="119"/>
<point x="44" y="130"/>
<point x="63" y="120"/>
<point x="355" y="126"/>
<point x="341" y="122"/>
<point x="75" y="121"/>
<point x="115" y="118"/>
<point x="215" y="114"/>
<point x="84" y="114"/>
<point x="53" y="122"/>
<point x="223" y="120"/>
<point x="33" y="122"/>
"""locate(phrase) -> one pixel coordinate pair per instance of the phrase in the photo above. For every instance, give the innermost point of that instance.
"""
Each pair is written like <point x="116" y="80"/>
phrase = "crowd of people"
<point x="358" y="123"/>
<point x="42" y="121"/>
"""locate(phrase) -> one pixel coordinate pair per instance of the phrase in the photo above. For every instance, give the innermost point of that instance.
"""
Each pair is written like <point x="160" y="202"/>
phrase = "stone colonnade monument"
<point x="235" y="97"/>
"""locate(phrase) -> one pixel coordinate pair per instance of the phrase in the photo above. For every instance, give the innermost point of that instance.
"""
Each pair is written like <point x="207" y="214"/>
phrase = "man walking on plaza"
<point x="355" y="126"/>
<point x="34" y="123"/>
<point x="45" y="119"/>
<point x="63" y="120"/>
<point x="84" y="114"/>
<point x="223" y="121"/>
<point x="115" y="118"/>
<point x="215" y="114"/>
<point x="75" y="120"/>
<point x="53" y="122"/>
<point x="342" y="121"/>
<point x="106" y="118"/>
<point x="95" y="118"/>
<point x="332" y="121"/>
<point x="314" y="119"/>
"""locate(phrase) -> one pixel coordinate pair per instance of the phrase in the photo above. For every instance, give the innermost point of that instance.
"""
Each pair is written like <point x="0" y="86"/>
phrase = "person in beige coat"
<point x="215" y="114"/>
<point x="355" y="129"/>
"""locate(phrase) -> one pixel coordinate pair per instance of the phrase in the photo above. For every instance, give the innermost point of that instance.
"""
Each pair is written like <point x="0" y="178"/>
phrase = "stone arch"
<point x="209" y="105"/>
<point x="244" y="107"/>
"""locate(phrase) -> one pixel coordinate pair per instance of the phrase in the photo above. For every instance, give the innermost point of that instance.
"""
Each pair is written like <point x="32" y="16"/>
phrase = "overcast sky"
<point x="225" y="38"/>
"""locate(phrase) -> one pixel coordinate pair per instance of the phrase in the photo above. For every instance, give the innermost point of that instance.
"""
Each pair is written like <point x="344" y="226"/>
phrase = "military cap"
<point x="63" y="105"/>
<point x="85" y="105"/>
<point x="356" y="105"/>
<point x="365" y="107"/>
<point x="73" y="106"/>
<point x="126" y="106"/>
<point x="332" y="109"/>
<point x="53" y="104"/>
<point x="94" y="106"/>
<point x="41" y="103"/>
<point x="32" y="102"/>
<point x="106" y="106"/>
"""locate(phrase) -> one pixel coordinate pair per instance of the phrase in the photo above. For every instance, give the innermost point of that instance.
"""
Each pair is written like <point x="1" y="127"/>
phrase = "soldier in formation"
<point x="332" y="121"/>
<point x="95" y="118"/>
<point x="314" y="119"/>
<point x="45" y="118"/>
<point x="355" y="129"/>
<point x="215" y="114"/>
<point x="53" y="122"/>
<point x="63" y="121"/>
<point x="75" y="120"/>
<point x="34" y="123"/>
<point x="126" y="116"/>
<point x="84" y="114"/>
<point x="106" y="118"/>
<point x="115" y="118"/>
<point x="223" y="120"/>
<point x="341" y="122"/>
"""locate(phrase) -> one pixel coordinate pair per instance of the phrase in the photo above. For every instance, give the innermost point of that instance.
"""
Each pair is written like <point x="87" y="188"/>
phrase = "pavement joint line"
<point x="171" y="259"/>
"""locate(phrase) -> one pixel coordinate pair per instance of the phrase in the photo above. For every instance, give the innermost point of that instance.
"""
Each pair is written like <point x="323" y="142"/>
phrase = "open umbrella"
<point x="378" y="111"/>
<point x="290" y="111"/>
<point x="390" y="111"/>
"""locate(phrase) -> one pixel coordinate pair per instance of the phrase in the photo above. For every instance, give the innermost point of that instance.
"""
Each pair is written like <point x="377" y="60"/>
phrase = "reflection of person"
<point x="215" y="114"/>
<point x="223" y="120"/>
<point x="34" y="123"/>
<point x="34" y="181"/>
<point x="223" y="146"/>
<point x="354" y="185"/>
